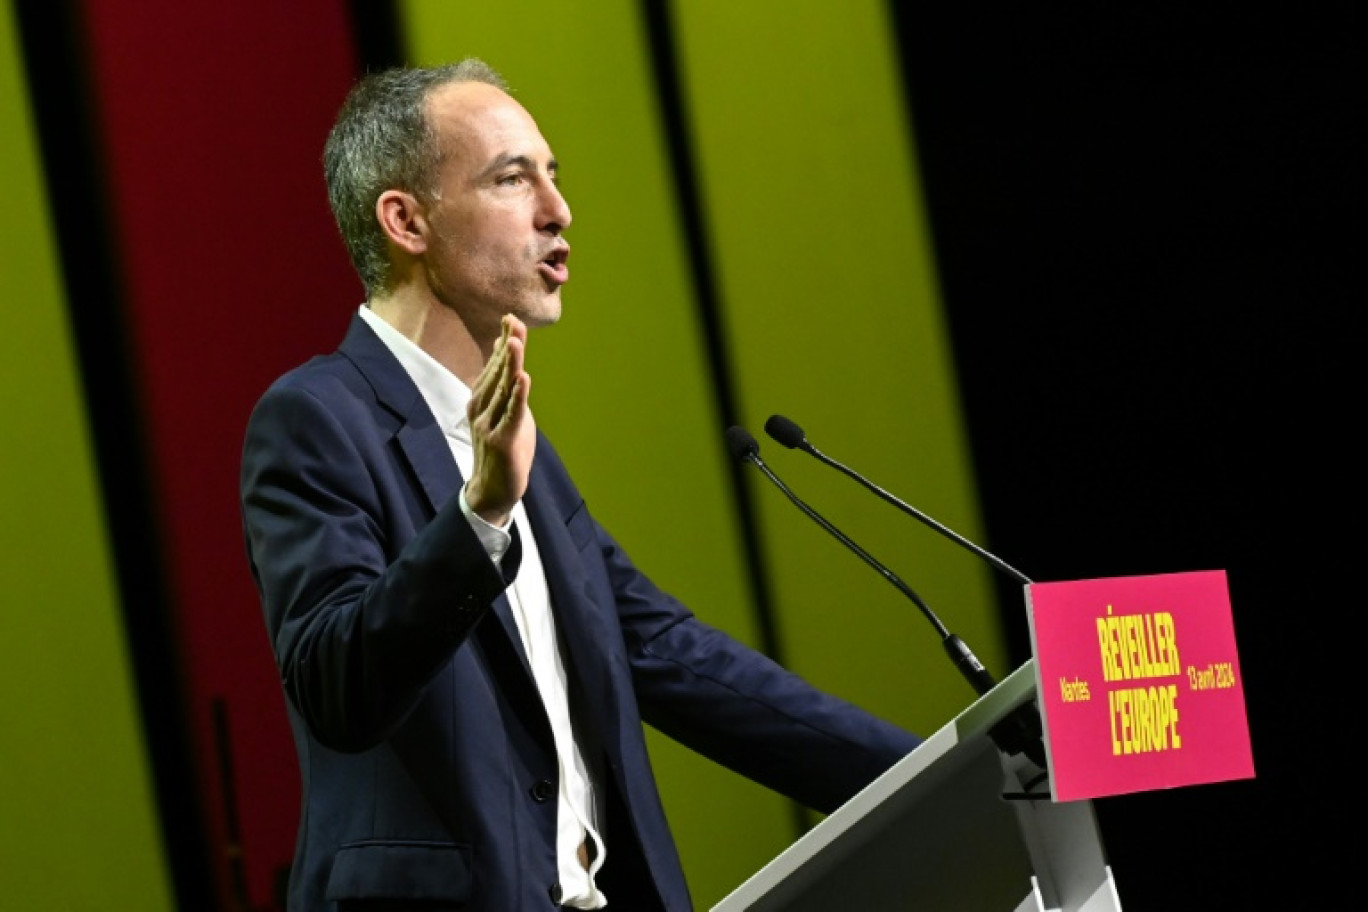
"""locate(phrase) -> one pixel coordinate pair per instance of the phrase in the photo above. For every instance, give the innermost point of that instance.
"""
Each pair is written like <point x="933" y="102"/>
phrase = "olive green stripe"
<point x="622" y="383"/>
<point x="80" y="828"/>
<point x="808" y="168"/>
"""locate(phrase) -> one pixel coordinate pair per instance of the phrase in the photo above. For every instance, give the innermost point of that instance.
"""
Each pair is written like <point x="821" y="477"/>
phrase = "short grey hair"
<point x="382" y="140"/>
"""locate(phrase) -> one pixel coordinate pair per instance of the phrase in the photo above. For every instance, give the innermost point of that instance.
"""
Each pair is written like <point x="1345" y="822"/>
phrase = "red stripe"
<point x="212" y="119"/>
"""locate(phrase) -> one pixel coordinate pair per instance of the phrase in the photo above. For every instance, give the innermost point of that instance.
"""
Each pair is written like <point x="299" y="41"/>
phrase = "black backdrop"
<point x="1144" y="224"/>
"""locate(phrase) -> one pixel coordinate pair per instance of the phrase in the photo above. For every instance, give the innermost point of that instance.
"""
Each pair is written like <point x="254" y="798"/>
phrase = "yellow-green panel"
<point x="78" y="829"/>
<point x="622" y="383"/>
<point x="809" y="174"/>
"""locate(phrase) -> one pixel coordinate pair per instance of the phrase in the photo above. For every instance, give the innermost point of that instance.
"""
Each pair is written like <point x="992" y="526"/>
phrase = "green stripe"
<point x="832" y="310"/>
<point x="622" y="384"/>
<point x="808" y="168"/>
<point x="80" y="829"/>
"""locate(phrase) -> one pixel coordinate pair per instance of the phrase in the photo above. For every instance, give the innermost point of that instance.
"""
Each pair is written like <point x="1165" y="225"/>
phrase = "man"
<point x="468" y="656"/>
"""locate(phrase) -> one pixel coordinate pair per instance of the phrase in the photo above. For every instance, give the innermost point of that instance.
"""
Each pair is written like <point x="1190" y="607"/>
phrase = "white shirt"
<point x="447" y="396"/>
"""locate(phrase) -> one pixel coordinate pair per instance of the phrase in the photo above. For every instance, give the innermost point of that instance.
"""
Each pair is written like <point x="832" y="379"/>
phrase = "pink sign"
<point x="1139" y="684"/>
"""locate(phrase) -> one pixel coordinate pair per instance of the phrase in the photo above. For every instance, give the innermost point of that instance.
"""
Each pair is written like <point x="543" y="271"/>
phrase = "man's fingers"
<point x="486" y="387"/>
<point x="501" y="391"/>
<point x="517" y="401"/>
<point x="503" y="430"/>
<point x="509" y="399"/>
<point x="495" y="396"/>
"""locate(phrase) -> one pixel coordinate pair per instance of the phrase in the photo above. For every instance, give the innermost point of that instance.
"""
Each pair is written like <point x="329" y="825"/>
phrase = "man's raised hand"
<point x="503" y="433"/>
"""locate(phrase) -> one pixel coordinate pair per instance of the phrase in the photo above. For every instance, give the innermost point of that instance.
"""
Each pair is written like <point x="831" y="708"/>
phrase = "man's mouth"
<point x="553" y="267"/>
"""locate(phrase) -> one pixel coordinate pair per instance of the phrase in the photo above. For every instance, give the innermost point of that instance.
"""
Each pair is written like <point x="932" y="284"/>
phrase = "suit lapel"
<point x="580" y="623"/>
<point x="420" y="440"/>
<point x="418" y="435"/>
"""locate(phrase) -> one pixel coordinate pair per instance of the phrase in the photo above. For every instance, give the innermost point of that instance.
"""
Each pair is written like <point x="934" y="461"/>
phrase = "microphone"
<point x="1017" y="733"/>
<point x="744" y="448"/>
<point x="789" y="434"/>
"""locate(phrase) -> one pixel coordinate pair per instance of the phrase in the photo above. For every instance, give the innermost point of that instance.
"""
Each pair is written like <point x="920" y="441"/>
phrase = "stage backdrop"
<point x="749" y="238"/>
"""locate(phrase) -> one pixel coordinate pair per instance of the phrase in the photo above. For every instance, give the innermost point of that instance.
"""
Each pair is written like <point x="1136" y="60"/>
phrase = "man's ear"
<point x="403" y="221"/>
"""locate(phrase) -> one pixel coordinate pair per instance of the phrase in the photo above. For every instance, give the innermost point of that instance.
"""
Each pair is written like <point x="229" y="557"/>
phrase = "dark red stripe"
<point x="212" y="119"/>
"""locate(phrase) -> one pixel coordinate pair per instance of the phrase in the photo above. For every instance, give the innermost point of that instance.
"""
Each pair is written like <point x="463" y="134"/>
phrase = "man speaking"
<point x="467" y="655"/>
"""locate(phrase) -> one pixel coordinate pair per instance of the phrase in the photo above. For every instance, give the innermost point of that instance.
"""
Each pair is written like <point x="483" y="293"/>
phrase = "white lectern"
<point x="949" y="827"/>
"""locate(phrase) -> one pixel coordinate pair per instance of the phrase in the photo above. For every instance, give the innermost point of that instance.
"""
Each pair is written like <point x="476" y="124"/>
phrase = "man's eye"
<point x="509" y="180"/>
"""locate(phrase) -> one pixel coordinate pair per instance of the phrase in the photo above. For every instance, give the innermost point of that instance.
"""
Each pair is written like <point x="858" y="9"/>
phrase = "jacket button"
<point x="543" y="791"/>
<point x="555" y="893"/>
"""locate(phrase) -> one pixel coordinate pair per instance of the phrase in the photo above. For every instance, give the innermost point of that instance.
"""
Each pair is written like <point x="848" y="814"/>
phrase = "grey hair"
<point x="382" y="140"/>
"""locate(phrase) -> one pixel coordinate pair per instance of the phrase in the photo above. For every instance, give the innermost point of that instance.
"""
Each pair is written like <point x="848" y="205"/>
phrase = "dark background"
<point x="1146" y="224"/>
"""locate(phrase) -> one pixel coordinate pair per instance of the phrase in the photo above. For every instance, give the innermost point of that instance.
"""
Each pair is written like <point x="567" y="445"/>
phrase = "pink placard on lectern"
<point x="1138" y="683"/>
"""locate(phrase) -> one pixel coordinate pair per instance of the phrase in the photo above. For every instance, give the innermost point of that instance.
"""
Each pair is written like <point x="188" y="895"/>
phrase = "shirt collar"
<point x="443" y="391"/>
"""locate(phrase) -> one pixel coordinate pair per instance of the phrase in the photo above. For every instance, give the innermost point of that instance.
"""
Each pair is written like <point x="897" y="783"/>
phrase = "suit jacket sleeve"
<point x="359" y="626"/>
<point x="731" y="703"/>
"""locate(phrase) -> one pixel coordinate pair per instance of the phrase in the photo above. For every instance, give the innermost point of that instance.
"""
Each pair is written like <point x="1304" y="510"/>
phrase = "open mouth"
<point x="553" y="267"/>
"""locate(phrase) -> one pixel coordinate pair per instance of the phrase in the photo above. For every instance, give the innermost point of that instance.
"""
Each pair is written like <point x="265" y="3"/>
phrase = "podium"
<point x="956" y="824"/>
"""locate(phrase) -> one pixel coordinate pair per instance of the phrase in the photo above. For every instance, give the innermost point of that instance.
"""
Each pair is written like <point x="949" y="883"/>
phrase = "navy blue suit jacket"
<point x="427" y="759"/>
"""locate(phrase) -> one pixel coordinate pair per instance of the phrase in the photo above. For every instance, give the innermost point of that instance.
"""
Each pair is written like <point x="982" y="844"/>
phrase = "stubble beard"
<point x="522" y="292"/>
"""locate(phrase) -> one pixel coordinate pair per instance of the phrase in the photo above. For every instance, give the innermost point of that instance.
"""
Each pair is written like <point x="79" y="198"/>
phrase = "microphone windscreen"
<point x="741" y="444"/>
<point x="785" y="431"/>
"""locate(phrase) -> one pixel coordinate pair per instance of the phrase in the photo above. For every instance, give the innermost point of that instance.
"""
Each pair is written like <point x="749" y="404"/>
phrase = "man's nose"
<point x="556" y="213"/>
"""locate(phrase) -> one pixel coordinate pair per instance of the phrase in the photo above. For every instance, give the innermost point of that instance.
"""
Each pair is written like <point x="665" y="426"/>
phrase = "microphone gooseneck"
<point x="789" y="434"/>
<point x="744" y="447"/>
<point x="1019" y="732"/>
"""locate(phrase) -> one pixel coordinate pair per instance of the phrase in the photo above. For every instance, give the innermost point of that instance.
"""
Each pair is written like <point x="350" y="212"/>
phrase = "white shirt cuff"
<point x="495" y="539"/>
